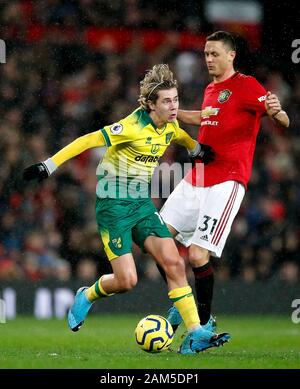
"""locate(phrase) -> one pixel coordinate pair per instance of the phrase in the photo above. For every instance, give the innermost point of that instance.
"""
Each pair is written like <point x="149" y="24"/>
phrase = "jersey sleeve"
<point x="184" y="139"/>
<point x="118" y="133"/>
<point x="254" y="96"/>
<point x="78" y="146"/>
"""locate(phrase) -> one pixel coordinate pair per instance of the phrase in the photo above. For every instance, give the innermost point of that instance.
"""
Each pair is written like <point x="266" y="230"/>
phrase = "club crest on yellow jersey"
<point x="169" y="137"/>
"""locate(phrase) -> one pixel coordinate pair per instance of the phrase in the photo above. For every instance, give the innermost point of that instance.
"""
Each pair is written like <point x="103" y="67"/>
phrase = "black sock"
<point x="162" y="272"/>
<point x="204" y="286"/>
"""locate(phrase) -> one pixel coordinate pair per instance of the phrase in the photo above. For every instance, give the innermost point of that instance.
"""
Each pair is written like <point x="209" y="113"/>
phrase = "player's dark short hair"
<point x="224" y="37"/>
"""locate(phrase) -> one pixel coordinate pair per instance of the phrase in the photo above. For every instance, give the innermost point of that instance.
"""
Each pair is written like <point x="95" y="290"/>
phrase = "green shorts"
<point x="121" y="222"/>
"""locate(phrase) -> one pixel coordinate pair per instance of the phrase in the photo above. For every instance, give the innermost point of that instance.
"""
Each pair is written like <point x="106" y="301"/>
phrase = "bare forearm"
<point x="189" y="117"/>
<point x="282" y="119"/>
<point x="273" y="108"/>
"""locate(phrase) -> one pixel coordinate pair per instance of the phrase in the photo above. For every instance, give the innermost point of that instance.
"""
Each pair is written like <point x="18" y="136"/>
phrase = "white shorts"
<point x="203" y="216"/>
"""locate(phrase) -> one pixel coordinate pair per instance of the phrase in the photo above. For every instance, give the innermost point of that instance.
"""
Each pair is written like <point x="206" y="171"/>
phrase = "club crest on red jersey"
<point x="224" y="95"/>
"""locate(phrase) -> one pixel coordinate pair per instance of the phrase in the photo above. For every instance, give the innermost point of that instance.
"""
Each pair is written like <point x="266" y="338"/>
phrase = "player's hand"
<point x="272" y="103"/>
<point x="205" y="154"/>
<point x="37" y="171"/>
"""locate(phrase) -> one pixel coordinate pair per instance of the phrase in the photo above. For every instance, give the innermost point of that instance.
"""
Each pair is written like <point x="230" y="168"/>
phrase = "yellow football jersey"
<point x="134" y="146"/>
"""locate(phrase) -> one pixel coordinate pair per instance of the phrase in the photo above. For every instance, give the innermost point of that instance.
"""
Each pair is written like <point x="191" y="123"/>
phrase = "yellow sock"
<point x="96" y="291"/>
<point x="184" y="301"/>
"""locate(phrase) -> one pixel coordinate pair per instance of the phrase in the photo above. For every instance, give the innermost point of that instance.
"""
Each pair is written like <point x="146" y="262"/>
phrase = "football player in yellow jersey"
<point x="124" y="209"/>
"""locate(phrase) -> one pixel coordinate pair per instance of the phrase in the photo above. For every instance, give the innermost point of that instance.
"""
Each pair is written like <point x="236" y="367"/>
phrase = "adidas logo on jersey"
<point x="204" y="237"/>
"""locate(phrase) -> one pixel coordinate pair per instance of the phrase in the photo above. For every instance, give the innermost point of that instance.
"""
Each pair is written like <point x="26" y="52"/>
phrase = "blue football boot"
<point x="211" y="325"/>
<point x="175" y="320"/>
<point x="78" y="311"/>
<point x="200" y="340"/>
<point x="174" y="317"/>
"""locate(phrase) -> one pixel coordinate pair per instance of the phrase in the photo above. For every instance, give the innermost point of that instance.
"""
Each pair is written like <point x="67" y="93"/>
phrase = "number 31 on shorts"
<point x="208" y="223"/>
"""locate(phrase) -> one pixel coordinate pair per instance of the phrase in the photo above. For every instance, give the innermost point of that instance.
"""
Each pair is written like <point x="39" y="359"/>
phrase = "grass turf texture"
<point x="107" y="342"/>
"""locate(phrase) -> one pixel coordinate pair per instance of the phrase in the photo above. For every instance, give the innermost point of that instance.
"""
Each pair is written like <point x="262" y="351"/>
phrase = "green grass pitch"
<point x="107" y="342"/>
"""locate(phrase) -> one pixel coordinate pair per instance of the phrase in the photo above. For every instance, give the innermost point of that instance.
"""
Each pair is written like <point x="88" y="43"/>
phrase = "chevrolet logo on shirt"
<point x="209" y="111"/>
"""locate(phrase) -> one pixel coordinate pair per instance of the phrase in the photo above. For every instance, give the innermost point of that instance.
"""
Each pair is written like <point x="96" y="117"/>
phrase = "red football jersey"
<point x="231" y="113"/>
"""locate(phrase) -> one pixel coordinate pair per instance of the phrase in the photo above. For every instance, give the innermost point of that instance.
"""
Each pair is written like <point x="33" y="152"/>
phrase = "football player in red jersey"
<point x="201" y="209"/>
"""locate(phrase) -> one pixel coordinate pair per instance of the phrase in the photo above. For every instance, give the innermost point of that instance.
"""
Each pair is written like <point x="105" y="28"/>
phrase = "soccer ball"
<point x="154" y="333"/>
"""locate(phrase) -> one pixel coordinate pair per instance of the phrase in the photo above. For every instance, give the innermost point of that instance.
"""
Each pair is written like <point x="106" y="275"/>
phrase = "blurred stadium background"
<point x="74" y="66"/>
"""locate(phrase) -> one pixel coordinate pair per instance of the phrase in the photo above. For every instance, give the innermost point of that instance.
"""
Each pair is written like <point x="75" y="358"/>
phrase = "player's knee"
<point x="127" y="282"/>
<point x="198" y="256"/>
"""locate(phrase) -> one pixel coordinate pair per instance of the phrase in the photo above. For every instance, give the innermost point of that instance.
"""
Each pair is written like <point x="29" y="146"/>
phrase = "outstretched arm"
<point x="275" y="112"/>
<point x="44" y="169"/>
<point x="189" y="117"/>
<point x="78" y="146"/>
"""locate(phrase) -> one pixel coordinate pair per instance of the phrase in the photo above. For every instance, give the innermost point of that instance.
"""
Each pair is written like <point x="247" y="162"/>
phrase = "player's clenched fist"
<point x="203" y="153"/>
<point x="273" y="105"/>
<point x="37" y="171"/>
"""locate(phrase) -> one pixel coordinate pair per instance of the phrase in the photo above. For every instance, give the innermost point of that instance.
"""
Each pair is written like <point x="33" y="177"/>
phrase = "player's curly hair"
<point x="158" y="78"/>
